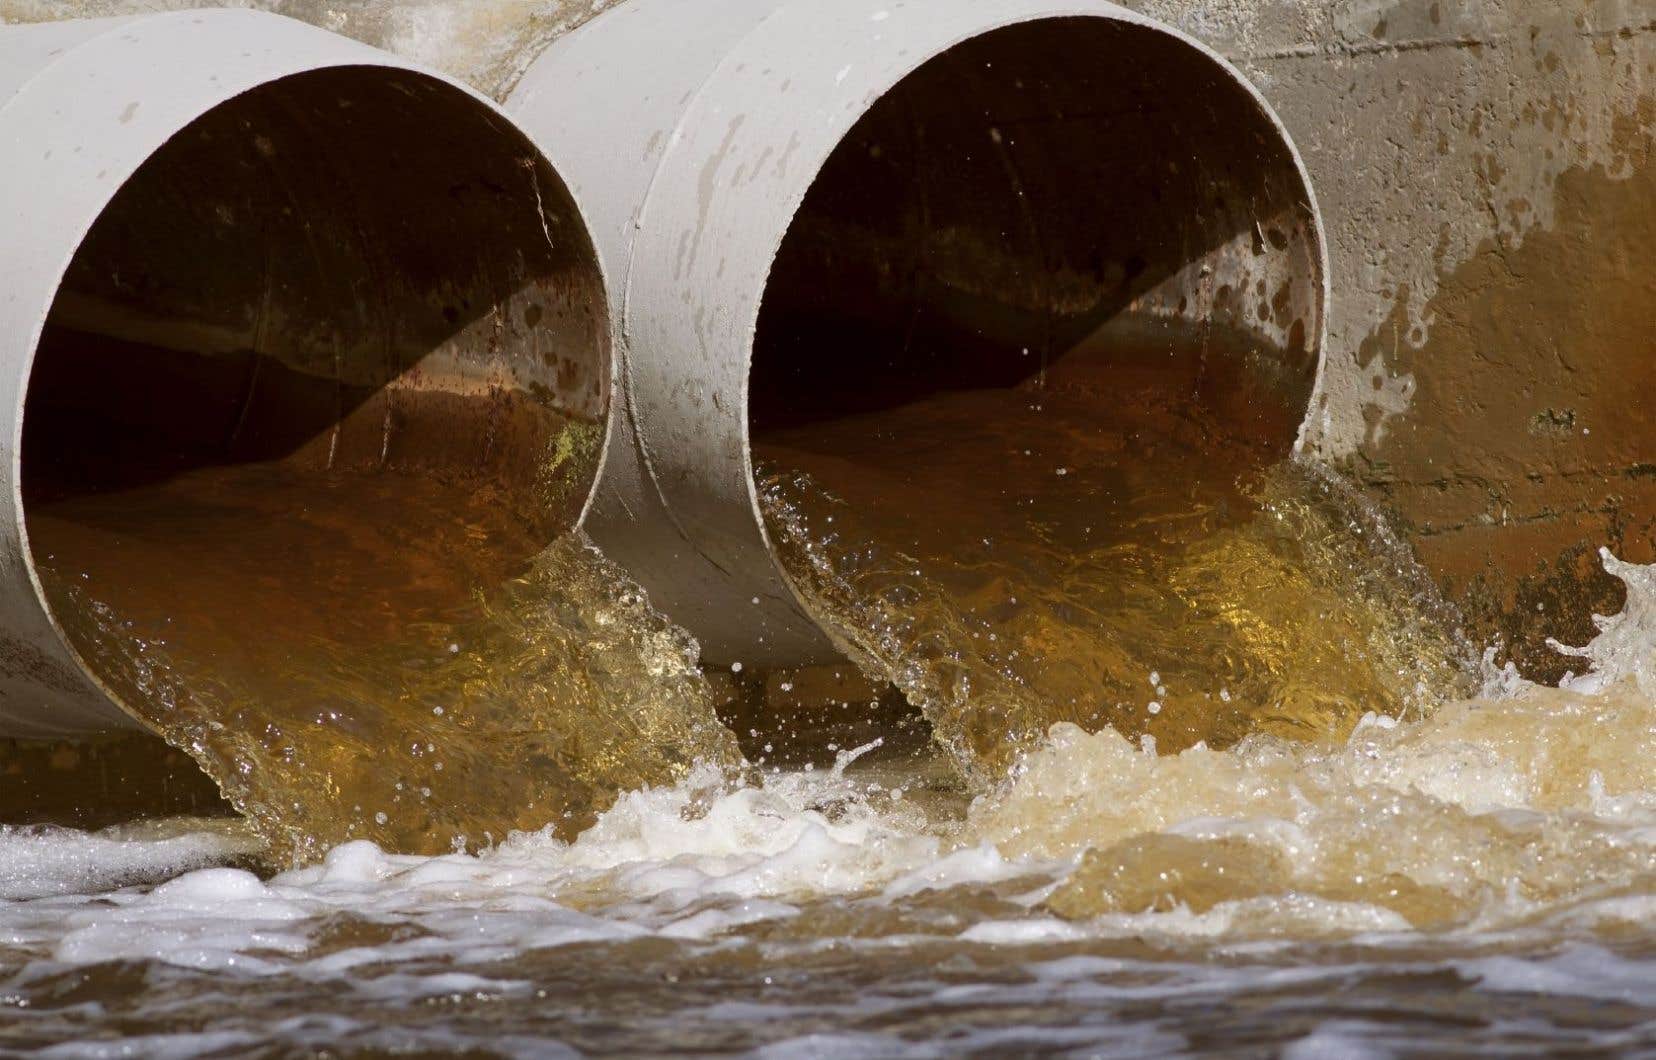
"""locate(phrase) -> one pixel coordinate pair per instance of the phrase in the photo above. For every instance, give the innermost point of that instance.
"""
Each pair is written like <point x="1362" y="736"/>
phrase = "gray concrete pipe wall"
<point x="187" y="196"/>
<point x="746" y="187"/>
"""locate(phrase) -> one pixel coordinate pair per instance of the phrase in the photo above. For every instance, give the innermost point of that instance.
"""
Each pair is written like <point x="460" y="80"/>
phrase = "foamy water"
<point x="1484" y="880"/>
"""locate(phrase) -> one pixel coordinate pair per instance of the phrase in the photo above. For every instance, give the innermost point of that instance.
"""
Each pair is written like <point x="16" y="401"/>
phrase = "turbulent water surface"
<point x="1481" y="882"/>
<point x="1479" y="878"/>
<point x="1012" y="559"/>
<point x="1211" y="773"/>
<point x="381" y="656"/>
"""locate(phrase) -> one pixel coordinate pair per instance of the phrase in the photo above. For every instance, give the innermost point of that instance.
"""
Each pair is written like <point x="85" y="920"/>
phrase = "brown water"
<point x="1012" y="559"/>
<point x="1332" y="836"/>
<point x="1475" y="879"/>
<point x="1480" y="883"/>
<point x="380" y="656"/>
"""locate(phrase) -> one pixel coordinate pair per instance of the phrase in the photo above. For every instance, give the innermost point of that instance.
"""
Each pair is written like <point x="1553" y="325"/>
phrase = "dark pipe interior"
<point x="350" y="270"/>
<point x="1078" y="197"/>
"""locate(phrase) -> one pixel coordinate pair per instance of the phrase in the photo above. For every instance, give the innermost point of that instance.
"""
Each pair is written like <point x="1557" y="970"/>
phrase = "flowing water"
<point x="1480" y="882"/>
<point x="1154" y="571"/>
<point x="1324" y="844"/>
<point x="382" y="656"/>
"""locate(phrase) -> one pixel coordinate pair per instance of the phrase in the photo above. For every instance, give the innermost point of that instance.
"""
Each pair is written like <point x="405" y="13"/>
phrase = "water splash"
<point x="1488" y="813"/>
<point x="1625" y="648"/>
<point x="1165" y="583"/>
<point x="1490" y="869"/>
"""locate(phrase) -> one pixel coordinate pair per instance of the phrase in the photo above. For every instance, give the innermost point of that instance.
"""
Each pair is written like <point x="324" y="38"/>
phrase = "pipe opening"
<point x="330" y="368"/>
<point x="1043" y="318"/>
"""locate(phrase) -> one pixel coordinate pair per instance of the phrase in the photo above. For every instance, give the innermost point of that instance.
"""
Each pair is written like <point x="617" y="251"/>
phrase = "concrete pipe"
<point x="233" y="239"/>
<point x="802" y="194"/>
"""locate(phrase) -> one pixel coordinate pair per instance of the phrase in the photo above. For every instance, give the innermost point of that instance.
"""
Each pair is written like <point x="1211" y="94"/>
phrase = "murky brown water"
<point x="1213" y="775"/>
<point x="1477" y="884"/>
<point x="1012" y="559"/>
<point x="1280" y="869"/>
<point x="383" y="656"/>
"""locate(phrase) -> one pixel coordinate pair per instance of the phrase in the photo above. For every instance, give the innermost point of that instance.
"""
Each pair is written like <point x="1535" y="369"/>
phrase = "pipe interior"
<point x="334" y="360"/>
<point x="1073" y="200"/>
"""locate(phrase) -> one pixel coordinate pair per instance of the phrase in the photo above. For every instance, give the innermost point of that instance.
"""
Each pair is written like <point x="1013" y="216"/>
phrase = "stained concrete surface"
<point x="1484" y="172"/>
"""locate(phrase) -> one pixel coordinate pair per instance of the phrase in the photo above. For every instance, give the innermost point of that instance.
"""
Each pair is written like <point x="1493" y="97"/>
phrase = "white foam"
<point x="1625" y="647"/>
<point x="208" y="919"/>
<point x="702" y="861"/>
<point x="1583" y="971"/>
<point x="1023" y="932"/>
<point x="687" y="862"/>
<point x="973" y="865"/>
<point x="35" y="862"/>
<point x="1339" y="1040"/>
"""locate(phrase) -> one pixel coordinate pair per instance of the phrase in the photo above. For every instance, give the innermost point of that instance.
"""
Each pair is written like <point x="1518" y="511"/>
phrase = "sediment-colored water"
<point x="1480" y="882"/>
<point x="1361" y="851"/>
<point x="378" y="656"/>
<point x="1012" y="559"/>
<point x="1215" y="772"/>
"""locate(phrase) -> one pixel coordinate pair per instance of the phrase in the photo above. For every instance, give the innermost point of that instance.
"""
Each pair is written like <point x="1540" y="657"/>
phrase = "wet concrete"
<point x="1484" y="176"/>
<point x="1527" y="445"/>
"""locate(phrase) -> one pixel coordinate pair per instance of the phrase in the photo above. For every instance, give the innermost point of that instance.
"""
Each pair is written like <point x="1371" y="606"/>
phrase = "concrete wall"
<point x="1485" y="172"/>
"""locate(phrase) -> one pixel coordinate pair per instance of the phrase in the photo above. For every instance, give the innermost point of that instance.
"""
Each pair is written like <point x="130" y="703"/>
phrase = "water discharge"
<point x="1214" y="690"/>
<point x="1223" y="774"/>
<point x="375" y="656"/>
<point x="1480" y="881"/>
<point x="1010" y="559"/>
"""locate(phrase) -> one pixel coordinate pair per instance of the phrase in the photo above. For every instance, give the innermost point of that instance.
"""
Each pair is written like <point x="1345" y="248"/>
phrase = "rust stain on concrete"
<point x="1527" y="444"/>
